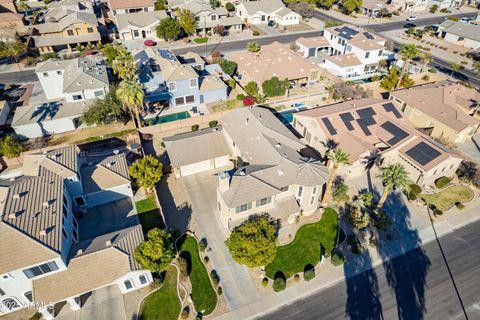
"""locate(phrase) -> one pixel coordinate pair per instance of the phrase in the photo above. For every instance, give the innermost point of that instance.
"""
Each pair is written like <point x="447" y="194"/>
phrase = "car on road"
<point x="412" y="18"/>
<point x="149" y="43"/>
<point x="271" y="23"/>
<point x="409" y="25"/>
<point x="467" y="19"/>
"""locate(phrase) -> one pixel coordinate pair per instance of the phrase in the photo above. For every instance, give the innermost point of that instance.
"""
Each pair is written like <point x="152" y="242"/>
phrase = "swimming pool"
<point x="168" y="118"/>
<point x="287" y="116"/>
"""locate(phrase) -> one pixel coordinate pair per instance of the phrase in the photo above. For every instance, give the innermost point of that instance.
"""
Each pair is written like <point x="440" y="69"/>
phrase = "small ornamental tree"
<point x="251" y="88"/>
<point x="155" y="253"/>
<point x="274" y="87"/>
<point x="348" y="6"/>
<point x="186" y="20"/>
<point x="10" y="147"/>
<point x="326" y="4"/>
<point x="147" y="172"/>
<point x="220" y="30"/>
<point x="390" y="80"/>
<point x="229" y="6"/>
<point x="168" y="29"/>
<point x="228" y="67"/>
<point x="106" y="110"/>
<point x="160" y="5"/>
<point x="254" y="242"/>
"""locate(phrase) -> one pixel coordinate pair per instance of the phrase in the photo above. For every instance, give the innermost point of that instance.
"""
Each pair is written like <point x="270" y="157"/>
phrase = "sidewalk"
<point x="330" y="275"/>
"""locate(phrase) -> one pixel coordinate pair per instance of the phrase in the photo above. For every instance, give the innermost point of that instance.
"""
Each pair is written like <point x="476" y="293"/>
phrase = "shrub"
<point x="337" y="259"/>
<point x="309" y="274"/>
<point x="185" y="313"/>
<point x="206" y="259"/>
<point x="463" y="62"/>
<point x="215" y="277"/>
<point x="240" y="96"/>
<point x="432" y="70"/>
<point x="468" y="172"/>
<point x="460" y="206"/>
<point x="202" y="244"/>
<point x="195" y="127"/>
<point x="340" y="190"/>
<point x="445" y="10"/>
<point x="265" y="281"/>
<point x="426" y="77"/>
<point x="375" y="78"/>
<point x="279" y="284"/>
<point x="213" y="123"/>
<point x="232" y="84"/>
<point x="256" y="33"/>
<point x="182" y="266"/>
<point x="49" y="55"/>
<point x="382" y="220"/>
<point x="396" y="13"/>
<point x="433" y="8"/>
<point x="219" y="290"/>
<point x="229" y="6"/>
<point x="415" y="188"/>
<point x="229" y="67"/>
<point x="442" y="182"/>
<point x="248" y="101"/>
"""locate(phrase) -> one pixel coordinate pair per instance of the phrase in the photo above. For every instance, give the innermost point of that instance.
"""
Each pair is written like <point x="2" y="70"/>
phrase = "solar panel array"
<point x="423" y="153"/>
<point x="347" y="119"/>
<point x="389" y="107"/>
<point x="397" y="133"/>
<point x="329" y="126"/>
<point x="346" y="32"/>
<point x="366" y="115"/>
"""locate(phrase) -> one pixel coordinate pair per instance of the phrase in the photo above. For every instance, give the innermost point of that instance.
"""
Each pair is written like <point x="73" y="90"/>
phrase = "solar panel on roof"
<point x="346" y="32"/>
<point x="329" y="126"/>
<point x="423" y="153"/>
<point x="368" y="35"/>
<point x="364" y="127"/>
<point x="397" y="133"/>
<point x="389" y="107"/>
<point x="366" y="115"/>
<point x="347" y="119"/>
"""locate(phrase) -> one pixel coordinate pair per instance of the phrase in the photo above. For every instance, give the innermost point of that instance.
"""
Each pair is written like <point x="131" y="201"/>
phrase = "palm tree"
<point x="426" y="58"/>
<point x="123" y="65"/>
<point x="394" y="176"/>
<point x="408" y="52"/>
<point x="331" y="90"/>
<point x="476" y="67"/>
<point x="253" y="46"/>
<point x="337" y="157"/>
<point x="130" y="93"/>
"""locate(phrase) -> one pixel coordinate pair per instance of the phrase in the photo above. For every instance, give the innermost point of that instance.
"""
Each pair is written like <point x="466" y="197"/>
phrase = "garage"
<point x="198" y="151"/>
<point x="197" y="167"/>
<point x="127" y="36"/>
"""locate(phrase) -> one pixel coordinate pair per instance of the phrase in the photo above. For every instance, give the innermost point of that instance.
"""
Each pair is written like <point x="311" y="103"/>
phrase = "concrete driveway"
<point x="235" y="280"/>
<point x="268" y="30"/>
<point x="104" y="304"/>
<point x="471" y="147"/>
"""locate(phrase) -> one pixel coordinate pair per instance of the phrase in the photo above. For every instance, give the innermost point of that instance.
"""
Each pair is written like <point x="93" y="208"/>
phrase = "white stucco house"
<point x="74" y="80"/>
<point x="53" y="260"/>
<point x="409" y="5"/>
<point x="461" y="33"/>
<point x="139" y="25"/>
<point x="264" y="11"/>
<point x="346" y="51"/>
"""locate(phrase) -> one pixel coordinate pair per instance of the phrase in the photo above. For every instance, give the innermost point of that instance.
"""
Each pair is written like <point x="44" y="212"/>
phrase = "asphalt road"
<point x="416" y="285"/>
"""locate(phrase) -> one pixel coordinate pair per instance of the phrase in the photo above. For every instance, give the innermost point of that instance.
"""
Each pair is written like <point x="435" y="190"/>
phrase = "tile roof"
<point x="314" y="42"/>
<point x="266" y="6"/>
<point x="125" y="4"/>
<point x="192" y="147"/>
<point x="345" y="60"/>
<point x="140" y="19"/>
<point x="445" y="101"/>
<point x="274" y="59"/>
<point x="462" y="29"/>
<point x="66" y="21"/>
<point x="55" y="40"/>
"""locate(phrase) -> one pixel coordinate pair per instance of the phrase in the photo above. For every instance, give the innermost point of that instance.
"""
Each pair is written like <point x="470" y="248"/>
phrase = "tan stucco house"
<point x="274" y="172"/>
<point x="444" y="110"/>
<point x="370" y="130"/>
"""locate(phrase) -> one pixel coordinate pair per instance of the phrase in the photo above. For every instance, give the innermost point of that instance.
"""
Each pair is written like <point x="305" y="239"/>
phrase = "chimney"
<point x="79" y="251"/>
<point x="223" y="182"/>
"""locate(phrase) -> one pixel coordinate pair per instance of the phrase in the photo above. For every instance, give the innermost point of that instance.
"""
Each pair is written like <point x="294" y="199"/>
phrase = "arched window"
<point x="29" y="296"/>
<point x="10" y="304"/>
<point x="128" y="284"/>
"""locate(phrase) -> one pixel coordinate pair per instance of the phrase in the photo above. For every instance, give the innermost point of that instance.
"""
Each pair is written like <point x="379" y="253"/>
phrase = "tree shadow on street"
<point x="406" y="275"/>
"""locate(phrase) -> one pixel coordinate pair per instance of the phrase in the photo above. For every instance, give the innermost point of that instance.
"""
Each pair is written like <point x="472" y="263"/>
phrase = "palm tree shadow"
<point x="45" y="111"/>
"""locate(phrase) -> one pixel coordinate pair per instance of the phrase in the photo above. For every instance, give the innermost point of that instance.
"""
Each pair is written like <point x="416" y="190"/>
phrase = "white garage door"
<point x="196" y="167"/>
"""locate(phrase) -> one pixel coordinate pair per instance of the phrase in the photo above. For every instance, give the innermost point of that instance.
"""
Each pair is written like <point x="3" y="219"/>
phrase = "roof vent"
<point x="16" y="196"/>
<point x="13" y="178"/>
<point x="278" y="145"/>
<point x="46" y="204"/>
<point x="43" y="232"/>
<point x="79" y="251"/>
<point x="12" y="216"/>
<point x="108" y="243"/>
<point x="110" y="164"/>
<point x="246" y="121"/>
<point x="242" y="172"/>
<point x="284" y="155"/>
<point x="281" y="173"/>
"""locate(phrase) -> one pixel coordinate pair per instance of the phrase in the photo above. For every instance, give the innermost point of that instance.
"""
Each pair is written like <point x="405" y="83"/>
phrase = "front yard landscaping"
<point x="164" y="303"/>
<point x="448" y="197"/>
<point x="305" y="249"/>
<point x="149" y="214"/>
<point x="203" y="295"/>
<point x="200" y="40"/>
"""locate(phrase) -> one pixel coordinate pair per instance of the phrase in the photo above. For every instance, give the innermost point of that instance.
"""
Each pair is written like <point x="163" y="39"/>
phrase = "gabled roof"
<point x="111" y="172"/>
<point x="66" y="21"/>
<point x="48" y="111"/>
<point x="345" y="60"/>
<point x="266" y="6"/>
<point x="140" y="19"/>
<point x="126" y="4"/>
<point x="462" y="29"/>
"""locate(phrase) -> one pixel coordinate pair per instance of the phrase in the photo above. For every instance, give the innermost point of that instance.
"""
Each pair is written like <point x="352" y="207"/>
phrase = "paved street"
<point x="415" y="285"/>
<point x="235" y="280"/>
<point x="17" y="77"/>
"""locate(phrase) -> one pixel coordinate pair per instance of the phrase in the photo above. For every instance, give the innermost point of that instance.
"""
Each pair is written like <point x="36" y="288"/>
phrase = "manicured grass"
<point x="200" y="40"/>
<point x="447" y="198"/>
<point x="148" y="214"/>
<point x="147" y="204"/>
<point x="164" y="303"/>
<point x="203" y="295"/>
<point x="305" y="248"/>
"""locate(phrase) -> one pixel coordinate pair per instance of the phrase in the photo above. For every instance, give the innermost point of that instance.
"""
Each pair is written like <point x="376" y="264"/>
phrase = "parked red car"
<point x="149" y="43"/>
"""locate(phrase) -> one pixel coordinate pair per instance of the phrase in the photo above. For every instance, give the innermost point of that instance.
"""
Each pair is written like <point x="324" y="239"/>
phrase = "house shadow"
<point x="406" y="275"/>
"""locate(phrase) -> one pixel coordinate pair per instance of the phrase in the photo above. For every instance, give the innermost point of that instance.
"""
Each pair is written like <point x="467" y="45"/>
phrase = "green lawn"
<point x="200" y="40"/>
<point x="148" y="214"/>
<point x="164" y="303"/>
<point x="447" y="198"/>
<point x="305" y="248"/>
<point x="203" y="295"/>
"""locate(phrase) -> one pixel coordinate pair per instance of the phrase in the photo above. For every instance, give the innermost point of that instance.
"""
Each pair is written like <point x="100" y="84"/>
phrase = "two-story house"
<point x="374" y="131"/>
<point x="444" y="110"/>
<point x="206" y="16"/>
<point x="139" y="25"/>
<point x="126" y="6"/>
<point x="69" y="30"/>
<point x="409" y="5"/>
<point x="347" y="51"/>
<point x="50" y="257"/>
<point x="176" y="83"/>
<point x="266" y="11"/>
<point x="69" y="86"/>
<point x="275" y="173"/>
<point x="11" y="22"/>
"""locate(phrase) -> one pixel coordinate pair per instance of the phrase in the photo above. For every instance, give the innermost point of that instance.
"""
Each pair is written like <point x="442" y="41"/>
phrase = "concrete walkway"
<point x="409" y="237"/>
<point x="235" y="279"/>
<point x="471" y="147"/>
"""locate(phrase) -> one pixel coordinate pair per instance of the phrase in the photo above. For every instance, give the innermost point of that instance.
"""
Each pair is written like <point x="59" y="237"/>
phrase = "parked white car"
<point x="412" y="18"/>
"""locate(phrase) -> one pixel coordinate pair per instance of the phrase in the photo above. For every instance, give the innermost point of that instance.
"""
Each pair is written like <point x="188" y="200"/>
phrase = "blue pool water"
<point x="169" y="118"/>
<point x="287" y="116"/>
